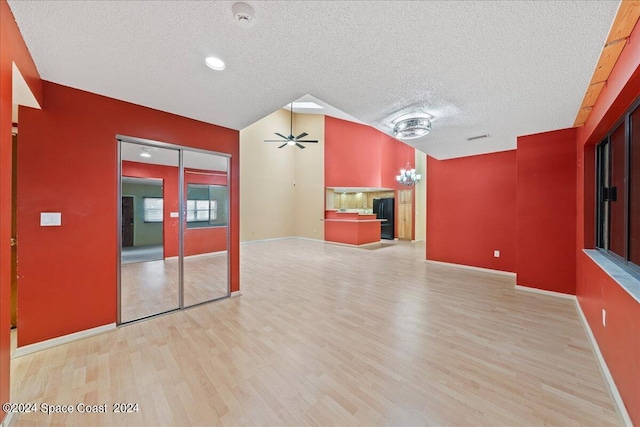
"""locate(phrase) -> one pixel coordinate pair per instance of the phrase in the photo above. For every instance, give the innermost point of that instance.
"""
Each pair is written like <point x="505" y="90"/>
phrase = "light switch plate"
<point x="174" y="214"/>
<point x="50" y="219"/>
<point x="496" y="254"/>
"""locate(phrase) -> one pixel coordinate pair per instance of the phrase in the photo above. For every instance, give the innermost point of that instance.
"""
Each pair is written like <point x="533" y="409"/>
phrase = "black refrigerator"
<point x="383" y="208"/>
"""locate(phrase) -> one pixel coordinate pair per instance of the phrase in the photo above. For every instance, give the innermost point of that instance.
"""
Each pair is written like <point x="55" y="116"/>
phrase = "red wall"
<point x="619" y="341"/>
<point x="471" y="210"/>
<point x="546" y="211"/>
<point x="12" y="50"/>
<point x="67" y="163"/>
<point x="352" y="154"/>
<point x="360" y="156"/>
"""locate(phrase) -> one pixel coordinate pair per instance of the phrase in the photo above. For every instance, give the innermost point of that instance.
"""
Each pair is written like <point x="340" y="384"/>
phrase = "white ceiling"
<point x="505" y="68"/>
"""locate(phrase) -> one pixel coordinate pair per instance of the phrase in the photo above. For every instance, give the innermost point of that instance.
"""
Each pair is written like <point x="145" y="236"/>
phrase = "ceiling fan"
<point x="292" y="140"/>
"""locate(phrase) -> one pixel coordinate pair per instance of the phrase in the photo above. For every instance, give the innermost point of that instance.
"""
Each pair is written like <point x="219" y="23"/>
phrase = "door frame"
<point x="181" y="219"/>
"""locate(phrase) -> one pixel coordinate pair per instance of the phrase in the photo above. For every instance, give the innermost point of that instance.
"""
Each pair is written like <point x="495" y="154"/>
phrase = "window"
<point x="153" y="209"/>
<point x="206" y="205"/>
<point x="202" y="210"/>
<point x="618" y="190"/>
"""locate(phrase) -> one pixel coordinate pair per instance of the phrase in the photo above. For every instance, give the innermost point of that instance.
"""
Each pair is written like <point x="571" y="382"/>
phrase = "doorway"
<point x="174" y="204"/>
<point x="127" y="221"/>
<point x="405" y="214"/>
<point x="14" y="232"/>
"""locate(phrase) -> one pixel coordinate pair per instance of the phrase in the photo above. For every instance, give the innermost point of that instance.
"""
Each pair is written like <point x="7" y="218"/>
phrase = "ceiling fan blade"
<point x="275" y="140"/>
<point x="281" y="135"/>
<point x="310" y="141"/>
<point x="284" y="145"/>
<point x="300" y="145"/>
<point x="302" y="135"/>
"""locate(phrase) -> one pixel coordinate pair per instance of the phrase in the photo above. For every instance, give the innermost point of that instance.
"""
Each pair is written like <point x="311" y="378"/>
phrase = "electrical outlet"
<point x="496" y="253"/>
<point x="604" y="317"/>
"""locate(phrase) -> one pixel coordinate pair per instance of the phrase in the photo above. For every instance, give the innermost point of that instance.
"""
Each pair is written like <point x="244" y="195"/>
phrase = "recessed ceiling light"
<point x="214" y="63"/>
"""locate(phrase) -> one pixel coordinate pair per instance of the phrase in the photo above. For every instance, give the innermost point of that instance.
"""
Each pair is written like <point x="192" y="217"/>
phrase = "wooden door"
<point x="405" y="213"/>
<point x="127" y="221"/>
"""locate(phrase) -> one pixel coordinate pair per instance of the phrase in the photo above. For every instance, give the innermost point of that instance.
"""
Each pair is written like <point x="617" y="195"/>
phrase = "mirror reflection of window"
<point x="153" y="209"/>
<point x="206" y="205"/>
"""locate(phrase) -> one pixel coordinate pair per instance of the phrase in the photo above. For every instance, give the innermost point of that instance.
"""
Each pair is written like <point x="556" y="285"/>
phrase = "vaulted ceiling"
<point x="503" y="68"/>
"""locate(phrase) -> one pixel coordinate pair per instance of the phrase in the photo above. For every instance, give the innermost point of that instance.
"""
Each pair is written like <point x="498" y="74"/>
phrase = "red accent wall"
<point x="12" y="50"/>
<point x="546" y="211"/>
<point x="352" y="154"/>
<point x="619" y="341"/>
<point x="67" y="163"/>
<point x="360" y="156"/>
<point x="471" y="210"/>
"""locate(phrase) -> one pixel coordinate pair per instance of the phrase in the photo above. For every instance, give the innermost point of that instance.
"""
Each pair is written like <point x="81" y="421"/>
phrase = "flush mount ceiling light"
<point x="214" y="63"/>
<point x="145" y="153"/>
<point x="411" y="128"/>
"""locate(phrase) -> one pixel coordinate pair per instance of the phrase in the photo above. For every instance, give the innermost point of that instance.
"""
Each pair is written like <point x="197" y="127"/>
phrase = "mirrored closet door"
<point x="173" y="217"/>
<point x="205" y="266"/>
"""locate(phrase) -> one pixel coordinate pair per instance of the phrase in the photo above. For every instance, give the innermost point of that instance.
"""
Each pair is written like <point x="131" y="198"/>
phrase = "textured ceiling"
<point x="503" y="68"/>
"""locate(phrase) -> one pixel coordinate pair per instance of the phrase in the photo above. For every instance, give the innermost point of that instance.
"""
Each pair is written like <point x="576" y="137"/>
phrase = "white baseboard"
<point x="309" y="239"/>
<point x="611" y="385"/>
<point x="266" y="240"/>
<point x="235" y="294"/>
<point x="205" y="254"/>
<point x="7" y="420"/>
<point x="43" y="345"/>
<point x="604" y="369"/>
<point x="545" y="292"/>
<point x="470" y="267"/>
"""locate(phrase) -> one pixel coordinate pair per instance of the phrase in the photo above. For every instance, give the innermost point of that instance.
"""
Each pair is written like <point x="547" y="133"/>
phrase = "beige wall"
<point x="309" y="176"/>
<point x="281" y="190"/>
<point x="421" y="197"/>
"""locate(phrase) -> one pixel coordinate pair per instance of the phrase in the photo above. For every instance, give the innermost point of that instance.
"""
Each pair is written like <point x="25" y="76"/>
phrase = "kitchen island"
<point x="351" y="228"/>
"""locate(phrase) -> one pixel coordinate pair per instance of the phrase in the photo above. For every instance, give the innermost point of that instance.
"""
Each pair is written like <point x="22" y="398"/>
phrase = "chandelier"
<point x="408" y="176"/>
<point x="414" y="127"/>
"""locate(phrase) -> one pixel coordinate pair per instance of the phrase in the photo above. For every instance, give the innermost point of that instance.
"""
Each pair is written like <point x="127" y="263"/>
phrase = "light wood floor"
<point x="151" y="287"/>
<point x="331" y="335"/>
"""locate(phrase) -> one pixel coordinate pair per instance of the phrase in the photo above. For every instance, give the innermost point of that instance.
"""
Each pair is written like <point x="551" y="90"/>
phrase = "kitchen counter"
<point x="351" y="228"/>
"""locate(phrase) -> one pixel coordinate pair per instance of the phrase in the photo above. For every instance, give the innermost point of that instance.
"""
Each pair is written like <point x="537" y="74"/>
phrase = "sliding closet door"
<point x="150" y="224"/>
<point x="205" y="227"/>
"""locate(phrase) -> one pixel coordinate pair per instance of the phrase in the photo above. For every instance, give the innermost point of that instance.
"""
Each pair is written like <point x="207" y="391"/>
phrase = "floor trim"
<point x="235" y="294"/>
<point x="544" y="292"/>
<point x="602" y="365"/>
<point x="273" y="239"/>
<point x="8" y="419"/>
<point x="43" y="345"/>
<point x="604" y="369"/>
<point x="470" y="267"/>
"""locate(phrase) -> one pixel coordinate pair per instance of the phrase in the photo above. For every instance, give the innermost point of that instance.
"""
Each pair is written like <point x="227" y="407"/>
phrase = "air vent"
<point x="473" y="138"/>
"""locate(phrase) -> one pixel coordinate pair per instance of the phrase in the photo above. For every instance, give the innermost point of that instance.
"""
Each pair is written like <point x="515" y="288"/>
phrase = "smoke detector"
<point x="243" y="14"/>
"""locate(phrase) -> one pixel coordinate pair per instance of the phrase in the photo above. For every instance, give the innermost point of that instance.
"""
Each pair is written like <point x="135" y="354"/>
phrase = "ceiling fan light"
<point x="291" y="142"/>
<point x="412" y="128"/>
